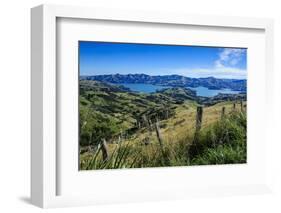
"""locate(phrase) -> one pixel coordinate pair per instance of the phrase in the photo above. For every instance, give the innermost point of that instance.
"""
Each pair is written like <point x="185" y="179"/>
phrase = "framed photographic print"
<point x="152" y="105"/>
<point x="146" y="105"/>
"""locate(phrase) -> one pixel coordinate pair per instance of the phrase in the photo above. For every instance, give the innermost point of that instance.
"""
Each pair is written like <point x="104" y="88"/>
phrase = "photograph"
<point x="161" y="105"/>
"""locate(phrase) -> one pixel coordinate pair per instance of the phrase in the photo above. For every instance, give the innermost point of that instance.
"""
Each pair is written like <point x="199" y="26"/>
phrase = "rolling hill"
<point x="172" y="80"/>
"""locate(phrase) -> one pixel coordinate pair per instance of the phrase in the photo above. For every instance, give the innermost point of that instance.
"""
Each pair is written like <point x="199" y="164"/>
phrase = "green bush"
<point x="95" y="126"/>
<point x="223" y="142"/>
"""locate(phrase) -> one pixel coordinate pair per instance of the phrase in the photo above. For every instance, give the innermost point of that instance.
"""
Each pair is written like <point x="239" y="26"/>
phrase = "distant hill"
<point x="172" y="80"/>
<point x="118" y="101"/>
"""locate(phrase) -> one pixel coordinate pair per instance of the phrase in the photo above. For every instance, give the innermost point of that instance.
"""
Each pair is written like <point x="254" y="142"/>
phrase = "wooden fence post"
<point x="158" y="133"/>
<point x="146" y="122"/>
<point x="150" y="127"/>
<point x="223" y="112"/>
<point x="167" y="113"/>
<point x="234" y="106"/>
<point x="104" y="149"/>
<point x="241" y="104"/>
<point x="199" y="116"/>
<point x="138" y="124"/>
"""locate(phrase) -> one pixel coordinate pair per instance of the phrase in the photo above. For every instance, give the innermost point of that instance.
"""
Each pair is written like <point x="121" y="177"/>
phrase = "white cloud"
<point x="224" y="67"/>
<point x="229" y="57"/>
<point x="222" y="72"/>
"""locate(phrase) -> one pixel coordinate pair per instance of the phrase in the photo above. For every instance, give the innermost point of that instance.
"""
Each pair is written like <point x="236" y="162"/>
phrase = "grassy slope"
<point x="177" y="132"/>
<point x="183" y="123"/>
<point x="107" y="110"/>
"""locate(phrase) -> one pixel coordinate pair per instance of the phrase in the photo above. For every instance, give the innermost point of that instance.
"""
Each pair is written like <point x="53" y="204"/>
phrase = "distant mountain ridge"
<point x="171" y="80"/>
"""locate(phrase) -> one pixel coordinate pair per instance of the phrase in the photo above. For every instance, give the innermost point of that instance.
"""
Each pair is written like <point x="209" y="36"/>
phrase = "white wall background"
<point x="15" y="104"/>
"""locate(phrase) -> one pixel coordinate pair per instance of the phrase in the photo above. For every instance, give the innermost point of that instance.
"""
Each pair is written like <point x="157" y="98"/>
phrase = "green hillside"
<point x="158" y="129"/>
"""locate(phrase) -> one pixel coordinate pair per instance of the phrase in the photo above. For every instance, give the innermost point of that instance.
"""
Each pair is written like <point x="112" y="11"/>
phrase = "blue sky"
<point x="98" y="58"/>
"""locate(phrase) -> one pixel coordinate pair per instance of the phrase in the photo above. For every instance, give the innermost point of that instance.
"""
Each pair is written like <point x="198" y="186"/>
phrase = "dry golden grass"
<point x="183" y="123"/>
<point x="174" y="129"/>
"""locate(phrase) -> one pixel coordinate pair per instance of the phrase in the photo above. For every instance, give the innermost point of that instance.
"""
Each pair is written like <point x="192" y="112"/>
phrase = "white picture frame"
<point x="44" y="154"/>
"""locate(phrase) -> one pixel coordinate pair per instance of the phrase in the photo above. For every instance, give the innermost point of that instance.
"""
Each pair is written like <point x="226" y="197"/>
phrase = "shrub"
<point x="223" y="142"/>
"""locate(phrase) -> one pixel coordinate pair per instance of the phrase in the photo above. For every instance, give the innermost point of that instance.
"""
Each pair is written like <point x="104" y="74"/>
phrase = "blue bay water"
<point x="201" y="91"/>
<point x="205" y="92"/>
<point x="145" y="88"/>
